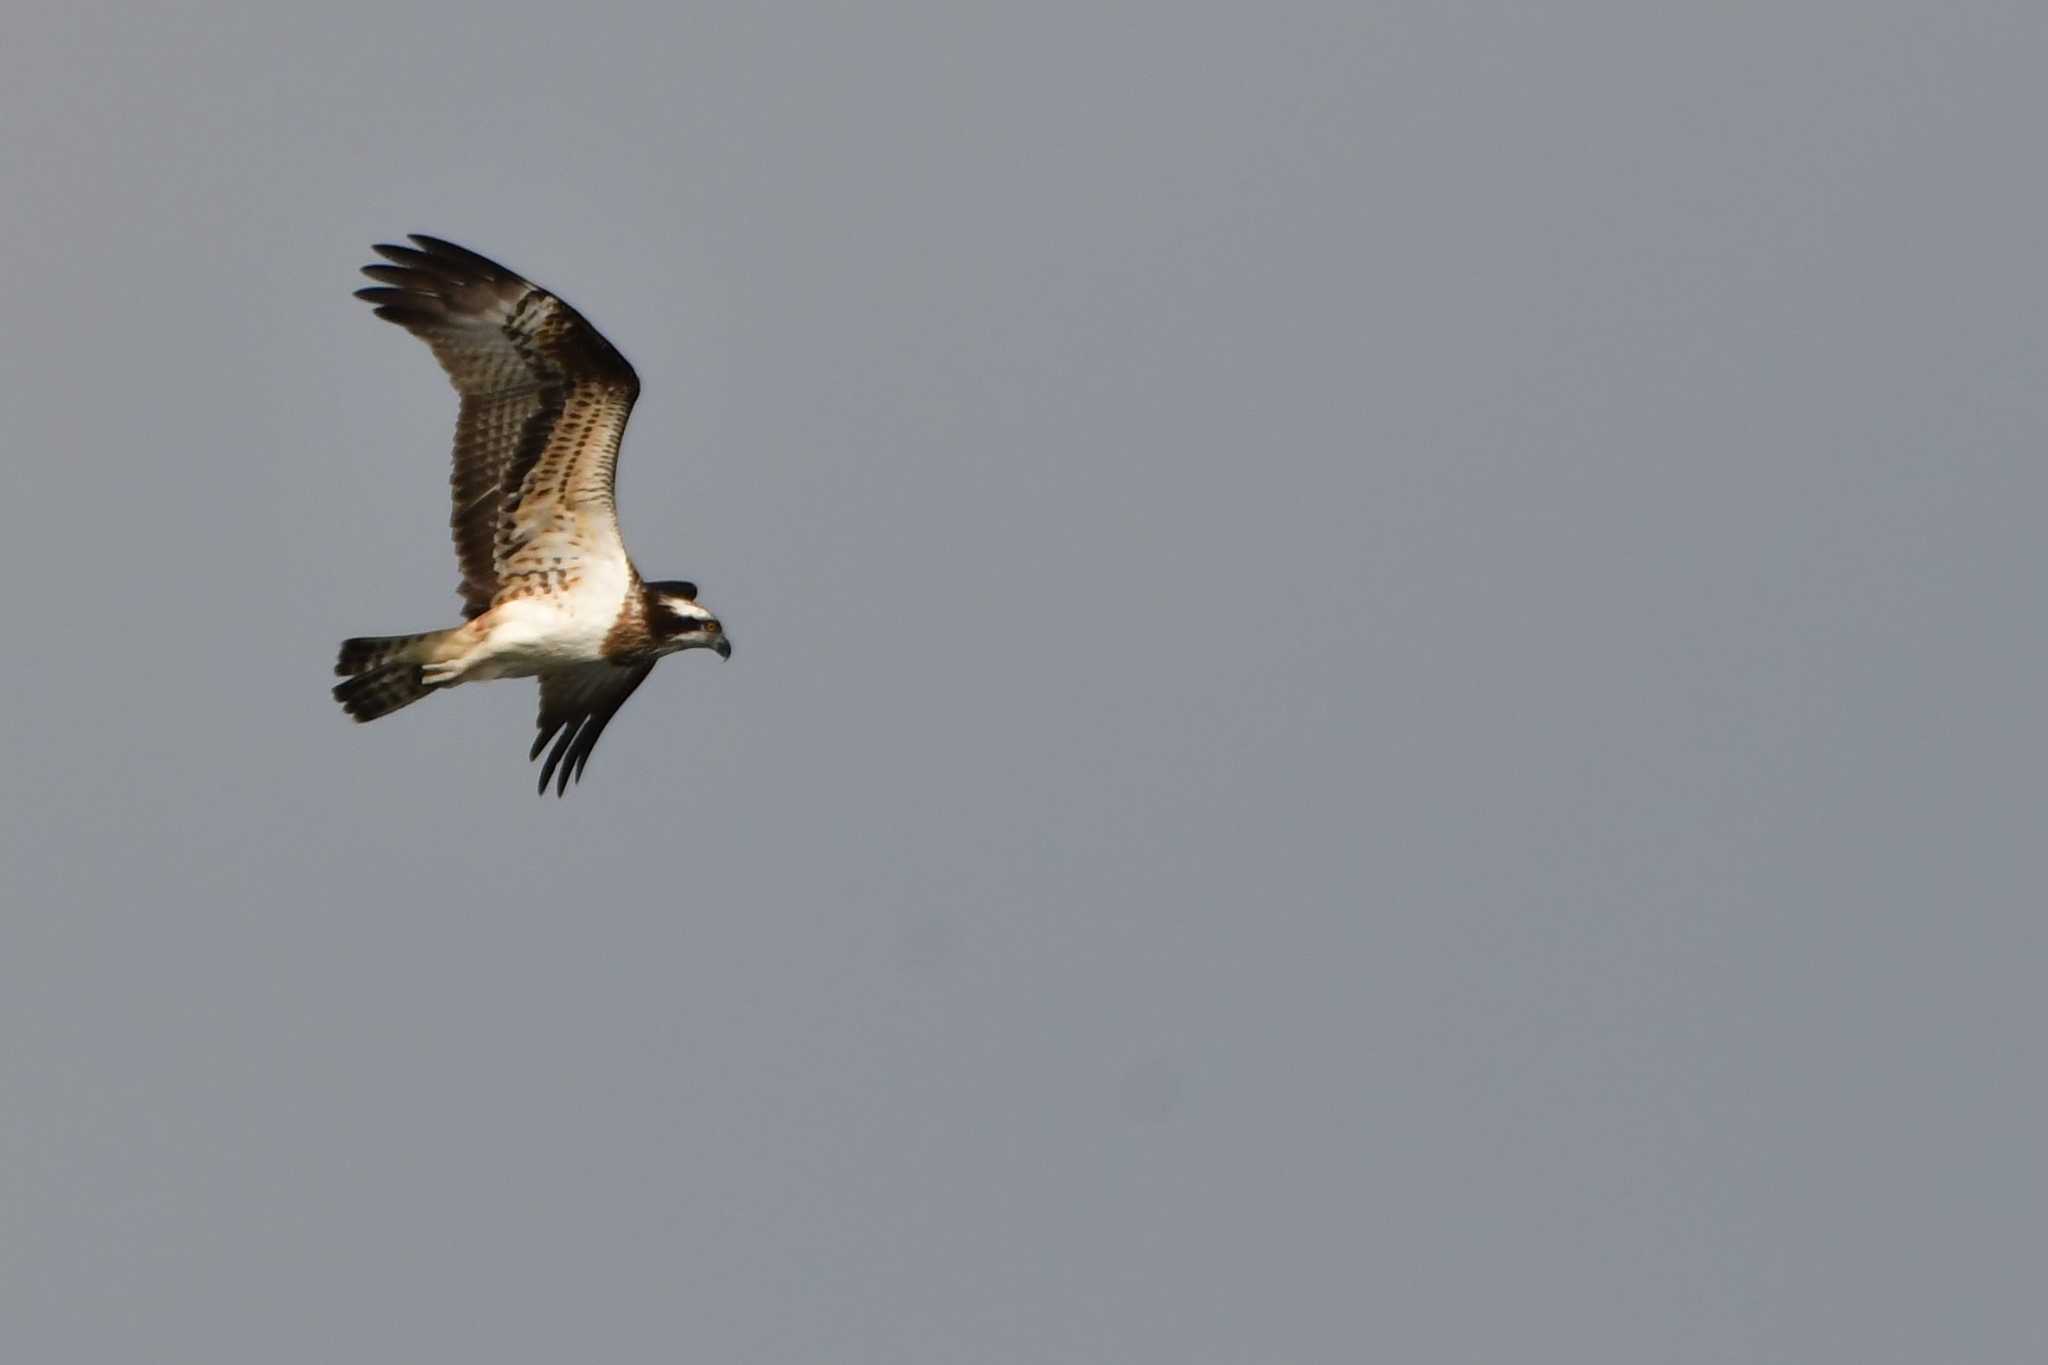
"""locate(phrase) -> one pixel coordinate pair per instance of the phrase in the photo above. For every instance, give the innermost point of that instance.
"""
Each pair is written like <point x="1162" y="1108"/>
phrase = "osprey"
<point x="547" y="589"/>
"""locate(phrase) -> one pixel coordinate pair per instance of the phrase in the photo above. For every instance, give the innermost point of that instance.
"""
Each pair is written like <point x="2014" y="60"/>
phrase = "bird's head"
<point x="678" y="623"/>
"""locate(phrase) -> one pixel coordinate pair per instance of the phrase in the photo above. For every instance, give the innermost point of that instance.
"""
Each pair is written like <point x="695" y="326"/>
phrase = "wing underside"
<point x="575" y="706"/>
<point x="545" y="400"/>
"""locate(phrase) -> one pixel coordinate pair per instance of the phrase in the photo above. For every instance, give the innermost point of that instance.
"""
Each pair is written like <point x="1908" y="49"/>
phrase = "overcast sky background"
<point x="1387" y="701"/>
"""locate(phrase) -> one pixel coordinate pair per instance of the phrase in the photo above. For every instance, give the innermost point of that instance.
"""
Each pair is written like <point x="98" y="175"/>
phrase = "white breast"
<point x="532" y="634"/>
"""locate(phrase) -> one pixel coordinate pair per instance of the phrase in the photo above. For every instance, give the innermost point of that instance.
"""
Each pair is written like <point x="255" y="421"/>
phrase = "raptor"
<point x="548" y="590"/>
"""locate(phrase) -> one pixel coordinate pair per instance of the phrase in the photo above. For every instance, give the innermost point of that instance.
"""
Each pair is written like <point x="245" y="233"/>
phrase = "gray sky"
<point x="1387" y="704"/>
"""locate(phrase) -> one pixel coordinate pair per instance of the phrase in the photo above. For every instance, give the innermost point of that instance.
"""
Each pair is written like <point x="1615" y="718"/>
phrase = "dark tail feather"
<point x="380" y="691"/>
<point x="374" y="651"/>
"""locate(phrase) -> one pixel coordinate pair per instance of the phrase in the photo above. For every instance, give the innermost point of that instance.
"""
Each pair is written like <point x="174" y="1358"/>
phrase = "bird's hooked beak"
<point x="723" y="648"/>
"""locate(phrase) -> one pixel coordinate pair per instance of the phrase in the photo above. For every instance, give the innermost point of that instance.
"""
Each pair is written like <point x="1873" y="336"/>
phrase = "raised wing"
<point x="544" y="404"/>
<point x="577" y="703"/>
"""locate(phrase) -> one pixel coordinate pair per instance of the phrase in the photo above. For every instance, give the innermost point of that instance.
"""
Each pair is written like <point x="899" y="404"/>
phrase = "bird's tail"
<point x="366" y="652"/>
<point x="381" y="691"/>
<point x="384" y="672"/>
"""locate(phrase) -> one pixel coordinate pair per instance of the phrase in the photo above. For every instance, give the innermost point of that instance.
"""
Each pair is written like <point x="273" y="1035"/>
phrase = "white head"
<point x="678" y="623"/>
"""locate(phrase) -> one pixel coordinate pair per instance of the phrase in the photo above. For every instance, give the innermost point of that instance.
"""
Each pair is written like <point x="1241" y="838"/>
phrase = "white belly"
<point x="535" y="634"/>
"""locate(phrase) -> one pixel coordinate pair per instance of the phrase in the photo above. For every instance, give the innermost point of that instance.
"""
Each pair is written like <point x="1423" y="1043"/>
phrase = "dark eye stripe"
<point x="681" y="625"/>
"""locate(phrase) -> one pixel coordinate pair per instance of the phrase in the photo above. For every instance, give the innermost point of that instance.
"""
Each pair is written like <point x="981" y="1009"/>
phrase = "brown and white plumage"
<point x="547" y="587"/>
<point x="544" y="404"/>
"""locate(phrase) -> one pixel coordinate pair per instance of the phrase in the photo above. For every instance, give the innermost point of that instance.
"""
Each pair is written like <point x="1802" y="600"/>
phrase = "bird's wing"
<point x="578" y="702"/>
<point x="544" y="404"/>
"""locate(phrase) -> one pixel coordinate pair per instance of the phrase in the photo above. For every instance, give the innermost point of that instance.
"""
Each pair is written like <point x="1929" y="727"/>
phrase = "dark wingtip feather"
<point x="541" y="741"/>
<point x="384" y="293"/>
<point x="407" y="257"/>
<point x="568" y="751"/>
<point x="404" y="276"/>
<point x="448" y="254"/>
<point x="547" y="769"/>
<point x="575" y="724"/>
<point x="403" y="306"/>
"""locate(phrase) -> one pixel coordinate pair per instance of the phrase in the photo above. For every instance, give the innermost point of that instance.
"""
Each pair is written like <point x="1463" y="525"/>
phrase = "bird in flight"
<point x="547" y="588"/>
